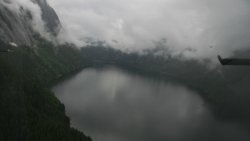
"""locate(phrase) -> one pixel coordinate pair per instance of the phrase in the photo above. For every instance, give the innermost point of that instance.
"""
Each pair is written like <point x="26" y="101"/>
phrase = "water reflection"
<point x="112" y="105"/>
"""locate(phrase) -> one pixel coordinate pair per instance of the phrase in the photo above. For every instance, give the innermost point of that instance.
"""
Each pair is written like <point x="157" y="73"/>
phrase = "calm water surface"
<point x="112" y="105"/>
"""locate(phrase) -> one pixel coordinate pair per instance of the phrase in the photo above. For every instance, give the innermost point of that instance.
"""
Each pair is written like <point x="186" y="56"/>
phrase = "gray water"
<point x="112" y="105"/>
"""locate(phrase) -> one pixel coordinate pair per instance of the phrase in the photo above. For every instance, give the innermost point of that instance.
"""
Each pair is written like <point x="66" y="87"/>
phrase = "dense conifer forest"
<point x="29" y="110"/>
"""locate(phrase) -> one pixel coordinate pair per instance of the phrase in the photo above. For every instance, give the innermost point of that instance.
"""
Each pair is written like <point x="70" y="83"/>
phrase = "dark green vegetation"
<point x="30" y="112"/>
<point x="28" y="109"/>
<point x="226" y="89"/>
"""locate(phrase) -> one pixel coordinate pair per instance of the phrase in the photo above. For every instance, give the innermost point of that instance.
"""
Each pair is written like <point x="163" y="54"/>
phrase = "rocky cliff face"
<point x="50" y="17"/>
<point x="19" y="24"/>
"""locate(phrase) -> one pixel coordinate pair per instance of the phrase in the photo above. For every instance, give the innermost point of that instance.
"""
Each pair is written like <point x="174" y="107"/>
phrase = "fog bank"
<point x="207" y="27"/>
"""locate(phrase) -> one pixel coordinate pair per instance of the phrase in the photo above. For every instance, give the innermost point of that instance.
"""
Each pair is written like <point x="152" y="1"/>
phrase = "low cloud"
<point x="209" y="27"/>
<point x="37" y="22"/>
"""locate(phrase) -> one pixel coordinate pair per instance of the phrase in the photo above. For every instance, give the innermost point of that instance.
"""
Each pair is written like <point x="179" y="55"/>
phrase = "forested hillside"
<point x="29" y="110"/>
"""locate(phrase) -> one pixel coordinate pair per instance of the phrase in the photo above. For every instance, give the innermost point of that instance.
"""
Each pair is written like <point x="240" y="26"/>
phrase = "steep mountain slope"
<point x="50" y="17"/>
<point x="28" y="109"/>
<point x="17" y="23"/>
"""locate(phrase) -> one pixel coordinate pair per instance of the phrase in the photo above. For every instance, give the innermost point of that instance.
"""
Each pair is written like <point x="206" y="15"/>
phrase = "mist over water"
<point x="112" y="105"/>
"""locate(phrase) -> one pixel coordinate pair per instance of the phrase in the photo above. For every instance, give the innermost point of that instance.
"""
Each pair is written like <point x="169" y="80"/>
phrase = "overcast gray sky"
<point x="210" y="26"/>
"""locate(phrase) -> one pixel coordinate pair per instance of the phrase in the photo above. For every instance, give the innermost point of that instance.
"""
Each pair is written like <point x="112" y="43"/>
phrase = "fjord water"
<point x="109" y="104"/>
